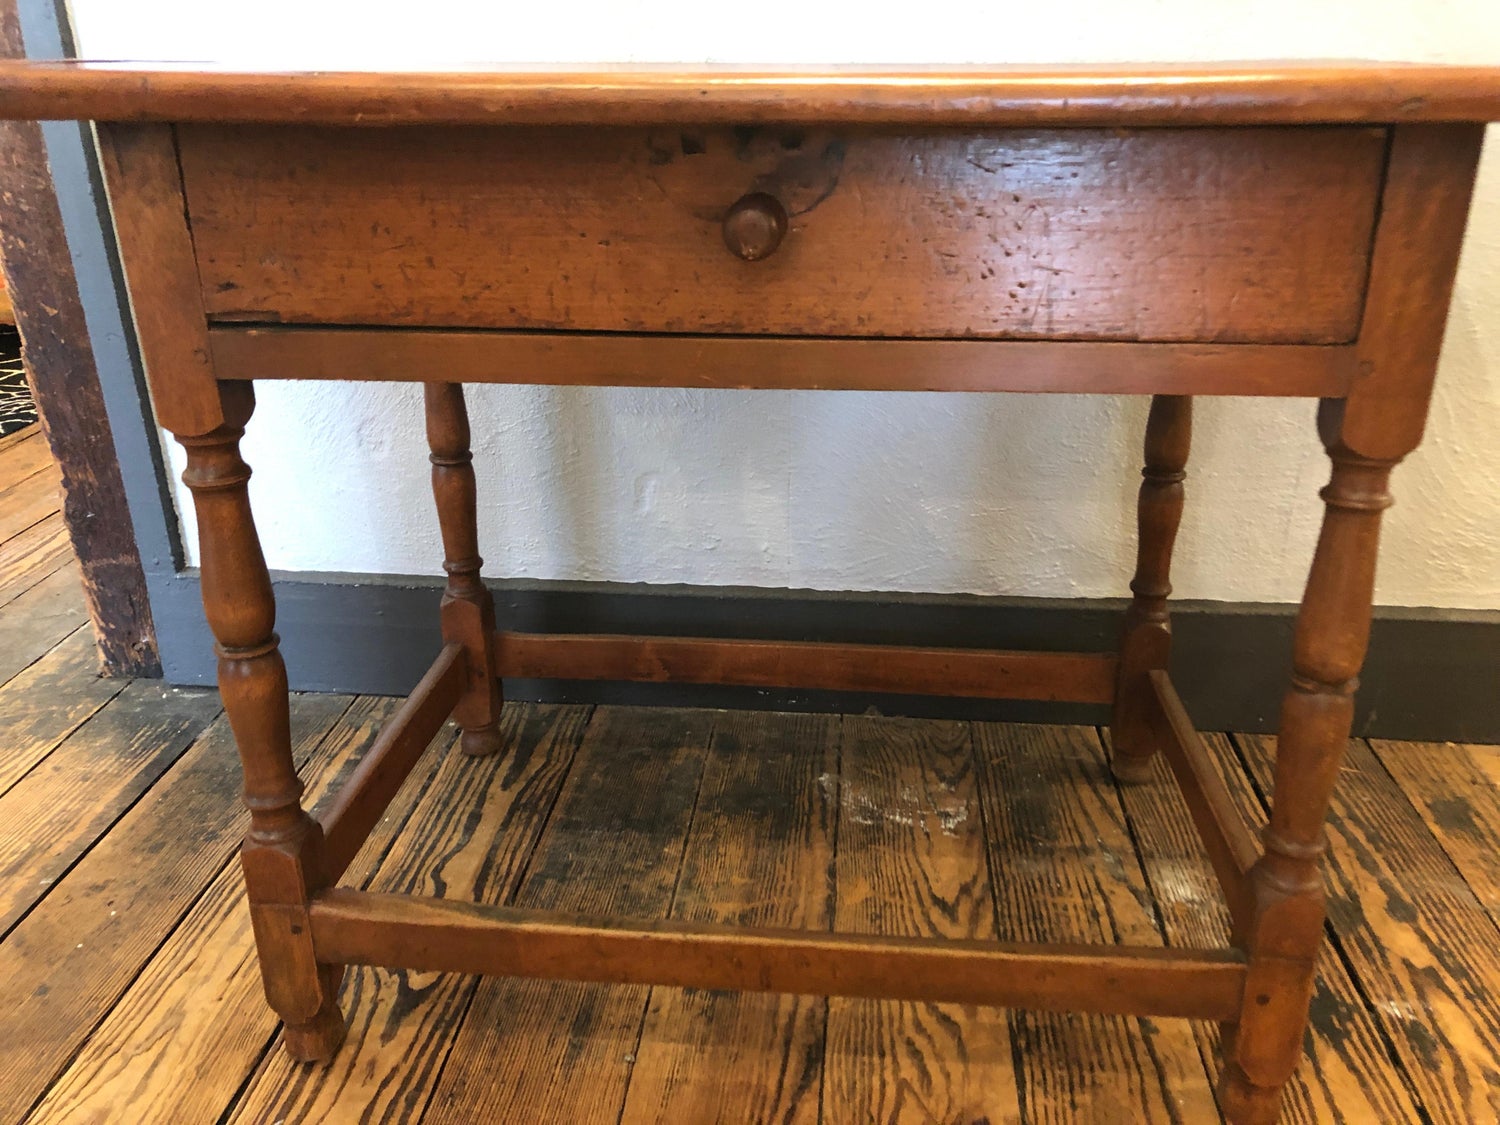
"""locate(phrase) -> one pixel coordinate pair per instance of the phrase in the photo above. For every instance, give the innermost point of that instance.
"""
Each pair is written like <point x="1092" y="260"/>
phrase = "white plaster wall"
<point x="987" y="494"/>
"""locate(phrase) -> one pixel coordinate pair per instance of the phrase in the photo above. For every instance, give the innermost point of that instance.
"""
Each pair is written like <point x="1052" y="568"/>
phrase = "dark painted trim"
<point x="1432" y="674"/>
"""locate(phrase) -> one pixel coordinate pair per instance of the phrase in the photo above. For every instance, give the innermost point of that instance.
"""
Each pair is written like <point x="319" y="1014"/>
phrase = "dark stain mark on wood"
<point x="1453" y="813"/>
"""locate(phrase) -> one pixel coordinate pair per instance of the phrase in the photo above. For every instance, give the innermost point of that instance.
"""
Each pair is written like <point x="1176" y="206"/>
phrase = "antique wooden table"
<point x="1264" y="229"/>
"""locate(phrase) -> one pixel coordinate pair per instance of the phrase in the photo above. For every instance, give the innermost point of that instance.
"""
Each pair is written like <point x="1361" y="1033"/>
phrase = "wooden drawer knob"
<point x="755" y="226"/>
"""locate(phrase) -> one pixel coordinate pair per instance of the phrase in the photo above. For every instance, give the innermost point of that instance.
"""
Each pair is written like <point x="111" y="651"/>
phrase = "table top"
<point x="1249" y="93"/>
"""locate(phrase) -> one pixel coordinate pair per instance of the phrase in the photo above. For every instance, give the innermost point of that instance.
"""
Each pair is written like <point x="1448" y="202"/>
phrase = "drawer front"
<point x="1225" y="235"/>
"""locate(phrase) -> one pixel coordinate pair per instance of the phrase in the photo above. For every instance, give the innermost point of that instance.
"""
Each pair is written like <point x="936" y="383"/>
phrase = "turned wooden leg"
<point x="1283" y="933"/>
<point x="1147" y="640"/>
<point x="282" y="849"/>
<point x="468" y="611"/>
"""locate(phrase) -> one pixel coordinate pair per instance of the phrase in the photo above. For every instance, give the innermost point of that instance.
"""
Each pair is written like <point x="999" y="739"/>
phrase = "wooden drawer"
<point x="1225" y="235"/>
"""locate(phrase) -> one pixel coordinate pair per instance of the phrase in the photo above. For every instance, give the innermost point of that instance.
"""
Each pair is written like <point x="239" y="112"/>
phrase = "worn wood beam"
<point x="65" y="383"/>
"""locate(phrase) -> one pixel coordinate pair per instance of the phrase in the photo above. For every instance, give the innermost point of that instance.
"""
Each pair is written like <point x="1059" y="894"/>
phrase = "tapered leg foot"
<point x="480" y="742"/>
<point x="1243" y="1103"/>
<point x="1133" y="769"/>
<point x="317" y="1041"/>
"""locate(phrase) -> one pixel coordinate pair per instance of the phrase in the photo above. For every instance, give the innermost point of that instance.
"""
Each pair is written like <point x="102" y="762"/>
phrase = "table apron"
<point x="625" y="360"/>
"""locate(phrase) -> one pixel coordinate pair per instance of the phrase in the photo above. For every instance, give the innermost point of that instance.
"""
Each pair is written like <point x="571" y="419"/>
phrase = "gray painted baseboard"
<point x="1431" y="675"/>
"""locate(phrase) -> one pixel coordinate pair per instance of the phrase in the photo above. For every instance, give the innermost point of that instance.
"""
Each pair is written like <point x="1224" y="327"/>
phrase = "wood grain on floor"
<point x="129" y="989"/>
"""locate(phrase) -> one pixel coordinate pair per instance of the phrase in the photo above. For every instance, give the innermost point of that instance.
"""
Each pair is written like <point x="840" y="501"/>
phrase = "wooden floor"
<point x="129" y="991"/>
